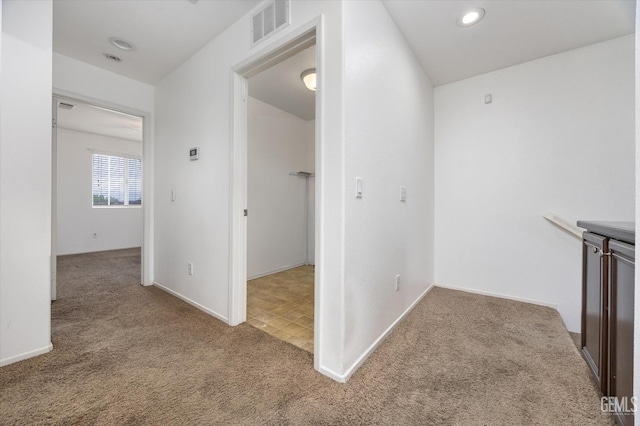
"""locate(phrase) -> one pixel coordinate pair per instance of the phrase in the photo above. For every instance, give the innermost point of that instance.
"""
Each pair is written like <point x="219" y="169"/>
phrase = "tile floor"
<point x="282" y="305"/>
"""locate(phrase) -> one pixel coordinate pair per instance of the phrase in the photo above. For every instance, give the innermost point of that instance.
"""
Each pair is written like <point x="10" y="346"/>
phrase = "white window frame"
<point x="126" y="182"/>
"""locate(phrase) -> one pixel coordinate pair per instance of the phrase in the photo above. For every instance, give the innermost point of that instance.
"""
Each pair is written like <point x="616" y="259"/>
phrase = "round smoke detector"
<point x="112" y="57"/>
<point x="123" y="44"/>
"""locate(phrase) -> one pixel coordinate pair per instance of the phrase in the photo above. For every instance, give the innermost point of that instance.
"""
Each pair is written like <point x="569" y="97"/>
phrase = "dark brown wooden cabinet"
<point x="621" y="297"/>
<point x="608" y="286"/>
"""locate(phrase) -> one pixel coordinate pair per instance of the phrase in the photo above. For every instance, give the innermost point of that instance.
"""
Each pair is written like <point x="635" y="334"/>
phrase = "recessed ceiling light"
<point x="470" y="17"/>
<point x="123" y="44"/>
<point x="112" y="57"/>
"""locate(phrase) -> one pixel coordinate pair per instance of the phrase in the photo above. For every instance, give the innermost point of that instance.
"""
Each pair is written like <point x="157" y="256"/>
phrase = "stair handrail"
<point x="563" y="224"/>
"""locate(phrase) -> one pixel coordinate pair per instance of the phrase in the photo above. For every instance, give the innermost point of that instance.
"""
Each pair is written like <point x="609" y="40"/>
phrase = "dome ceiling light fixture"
<point x="308" y="77"/>
<point x="122" y="44"/>
<point x="470" y="17"/>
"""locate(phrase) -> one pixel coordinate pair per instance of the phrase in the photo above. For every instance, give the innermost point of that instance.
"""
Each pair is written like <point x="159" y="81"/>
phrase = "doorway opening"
<point x="281" y="199"/>
<point x="296" y="178"/>
<point x="98" y="194"/>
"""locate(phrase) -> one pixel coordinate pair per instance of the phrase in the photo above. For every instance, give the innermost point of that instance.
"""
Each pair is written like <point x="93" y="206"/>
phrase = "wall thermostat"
<point x="194" y="153"/>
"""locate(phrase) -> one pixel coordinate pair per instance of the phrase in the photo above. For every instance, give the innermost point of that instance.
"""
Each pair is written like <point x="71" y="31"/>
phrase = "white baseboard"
<point x="73" y="253"/>
<point x="275" y="271"/>
<point x="191" y="302"/>
<point x="501" y="296"/>
<point x="342" y="378"/>
<point x="333" y="375"/>
<point x="26" y="355"/>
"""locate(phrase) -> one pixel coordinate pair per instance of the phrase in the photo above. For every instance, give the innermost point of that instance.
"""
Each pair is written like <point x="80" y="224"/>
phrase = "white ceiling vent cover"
<point x="67" y="106"/>
<point x="272" y="18"/>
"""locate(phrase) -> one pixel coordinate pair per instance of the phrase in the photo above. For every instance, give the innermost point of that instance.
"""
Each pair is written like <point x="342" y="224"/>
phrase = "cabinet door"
<point x="594" y="302"/>
<point x="621" y="293"/>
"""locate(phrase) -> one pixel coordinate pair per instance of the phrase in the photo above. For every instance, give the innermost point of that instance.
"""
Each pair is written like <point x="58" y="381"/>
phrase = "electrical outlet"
<point x="190" y="268"/>
<point x="398" y="282"/>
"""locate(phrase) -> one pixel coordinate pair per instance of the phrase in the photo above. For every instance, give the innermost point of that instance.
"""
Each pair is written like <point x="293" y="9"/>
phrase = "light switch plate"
<point x="358" y="187"/>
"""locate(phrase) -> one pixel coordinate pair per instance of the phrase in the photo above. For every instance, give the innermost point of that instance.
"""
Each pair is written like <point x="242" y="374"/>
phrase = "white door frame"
<point x="146" y="276"/>
<point x="54" y="198"/>
<point x="298" y="40"/>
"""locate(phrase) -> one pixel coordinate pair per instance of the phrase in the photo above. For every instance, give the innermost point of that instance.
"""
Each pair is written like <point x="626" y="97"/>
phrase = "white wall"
<point x="278" y="143"/>
<point x="636" y="343"/>
<point x="557" y="137"/>
<point x="311" y="166"/>
<point x="193" y="109"/>
<point x="385" y="136"/>
<point x="25" y="179"/>
<point x="116" y="228"/>
<point x="75" y="77"/>
<point x="91" y="84"/>
<point x="388" y="143"/>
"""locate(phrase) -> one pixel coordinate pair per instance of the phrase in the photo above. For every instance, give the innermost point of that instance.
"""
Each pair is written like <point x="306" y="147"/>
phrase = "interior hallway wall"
<point x="76" y="77"/>
<point x="558" y="136"/>
<point x="193" y="109"/>
<point x="78" y="220"/>
<point x="278" y="143"/>
<point x="25" y="179"/>
<point x="389" y="144"/>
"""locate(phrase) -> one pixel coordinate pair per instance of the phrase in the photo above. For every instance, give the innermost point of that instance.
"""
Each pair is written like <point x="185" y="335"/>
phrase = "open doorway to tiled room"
<point x="282" y="305"/>
<point x="281" y="200"/>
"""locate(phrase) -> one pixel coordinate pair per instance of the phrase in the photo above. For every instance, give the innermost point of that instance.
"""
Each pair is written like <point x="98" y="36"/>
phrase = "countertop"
<point x="623" y="231"/>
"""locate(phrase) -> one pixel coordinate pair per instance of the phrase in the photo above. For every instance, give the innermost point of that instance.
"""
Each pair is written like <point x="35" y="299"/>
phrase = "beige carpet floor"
<point x="575" y="337"/>
<point x="126" y="354"/>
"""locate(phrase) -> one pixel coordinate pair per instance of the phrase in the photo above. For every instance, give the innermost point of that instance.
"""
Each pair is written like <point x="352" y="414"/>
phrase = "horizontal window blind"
<point x="100" y="182"/>
<point x="135" y="181"/>
<point x="116" y="181"/>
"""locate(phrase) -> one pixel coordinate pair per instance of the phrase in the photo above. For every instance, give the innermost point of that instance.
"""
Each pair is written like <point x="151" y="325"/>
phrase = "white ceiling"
<point x="91" y="119"/>
<point x="282" y="87"/>
<point x="511" y="32"/>
<point x="165" y="32"/>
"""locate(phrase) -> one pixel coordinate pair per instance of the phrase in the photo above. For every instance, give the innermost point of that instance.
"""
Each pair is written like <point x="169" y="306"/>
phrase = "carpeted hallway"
<point x="126" y="354"/>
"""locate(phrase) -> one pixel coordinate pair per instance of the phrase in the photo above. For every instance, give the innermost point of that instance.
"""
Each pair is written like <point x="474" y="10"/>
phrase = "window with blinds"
<point x="116" y="181"/>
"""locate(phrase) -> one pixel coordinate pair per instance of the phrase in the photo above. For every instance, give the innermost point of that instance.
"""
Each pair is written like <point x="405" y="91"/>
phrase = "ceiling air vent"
<point x="112" y="57"/>
<point x="268" y="21"/>
<point x="64" y="105"/>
